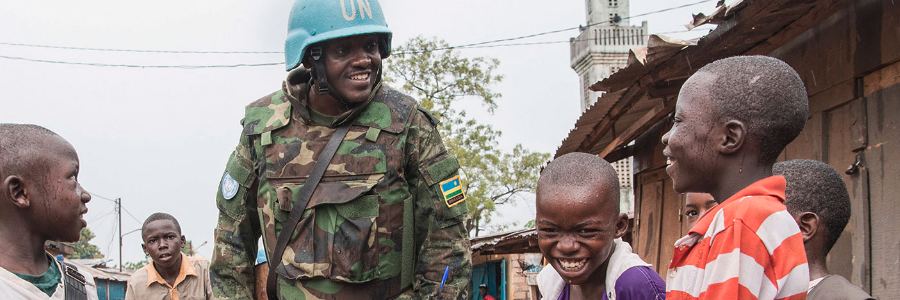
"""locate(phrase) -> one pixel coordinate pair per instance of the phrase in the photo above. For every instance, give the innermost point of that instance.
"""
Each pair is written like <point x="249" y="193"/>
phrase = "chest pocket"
<point x="336" y="238"/>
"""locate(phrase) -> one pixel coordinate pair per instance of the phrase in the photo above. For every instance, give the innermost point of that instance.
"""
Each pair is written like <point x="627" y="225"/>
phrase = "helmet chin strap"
<point x="325" y="88"/>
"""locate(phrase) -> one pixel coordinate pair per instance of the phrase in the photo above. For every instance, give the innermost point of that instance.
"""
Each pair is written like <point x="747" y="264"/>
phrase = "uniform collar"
<point x="772" y="186"/>
<point x="187" y="269"/>
<point x="296" y="88"/>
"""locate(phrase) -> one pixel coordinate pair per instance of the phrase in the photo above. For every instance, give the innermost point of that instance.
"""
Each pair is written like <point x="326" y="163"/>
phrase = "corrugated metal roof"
<point x="103" y="273"/>
<point x="643" y="93"/>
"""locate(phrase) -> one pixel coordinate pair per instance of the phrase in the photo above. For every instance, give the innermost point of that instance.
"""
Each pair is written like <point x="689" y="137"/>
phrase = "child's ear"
<point x="144" y="247"/>
<point x="809" y="225"/>
<point x="183" y="241"/>
<point x="734" y="136"/>
<point x="14" y="187"/>
<point x="621" y="225"/>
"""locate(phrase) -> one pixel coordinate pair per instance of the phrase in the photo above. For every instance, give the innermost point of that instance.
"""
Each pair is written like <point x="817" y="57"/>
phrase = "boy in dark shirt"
<point x="817" y="198"/>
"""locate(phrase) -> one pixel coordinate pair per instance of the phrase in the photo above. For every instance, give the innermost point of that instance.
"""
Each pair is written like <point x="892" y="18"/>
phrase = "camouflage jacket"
<point x="348" y="245"/>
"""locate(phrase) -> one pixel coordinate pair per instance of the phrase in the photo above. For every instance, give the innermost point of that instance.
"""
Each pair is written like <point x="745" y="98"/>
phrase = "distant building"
<point x="600" y="50"/>
<point x="602" y="46"/>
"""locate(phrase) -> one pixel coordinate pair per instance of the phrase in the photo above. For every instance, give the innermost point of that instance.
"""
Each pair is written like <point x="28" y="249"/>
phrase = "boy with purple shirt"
<point x="579" y="232"/>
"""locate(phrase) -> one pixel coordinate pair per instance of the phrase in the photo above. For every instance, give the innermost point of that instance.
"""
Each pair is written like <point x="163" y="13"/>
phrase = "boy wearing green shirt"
<point x="40" y="200"/>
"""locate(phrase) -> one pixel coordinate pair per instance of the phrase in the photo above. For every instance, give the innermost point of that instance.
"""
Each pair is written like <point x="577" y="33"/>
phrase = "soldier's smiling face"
<point x="352" y="65"/>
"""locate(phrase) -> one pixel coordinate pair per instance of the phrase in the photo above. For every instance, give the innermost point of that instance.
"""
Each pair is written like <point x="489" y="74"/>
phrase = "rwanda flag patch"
<point x="452" y="190"/>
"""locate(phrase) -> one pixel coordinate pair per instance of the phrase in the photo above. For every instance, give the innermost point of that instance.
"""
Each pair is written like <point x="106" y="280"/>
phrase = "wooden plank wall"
<point x="883" y="163"/>
<point x="842" y="61"/>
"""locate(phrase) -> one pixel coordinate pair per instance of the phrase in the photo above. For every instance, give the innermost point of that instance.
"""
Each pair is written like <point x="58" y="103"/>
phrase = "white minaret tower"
<point x="602" y="46"/>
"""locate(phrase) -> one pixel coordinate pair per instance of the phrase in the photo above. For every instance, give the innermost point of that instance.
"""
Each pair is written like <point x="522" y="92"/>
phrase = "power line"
<point x="625" y="37"/>
<point x="101" y="197"/>
<point x="103" y="215"/>
<point x="142" y="66"/>
<point x="463" y="46"/>
<point x="132" y="216"/>
<point x="140" y="51"/>
<point x="279" y="63"/>
<point x="562" y="30"/>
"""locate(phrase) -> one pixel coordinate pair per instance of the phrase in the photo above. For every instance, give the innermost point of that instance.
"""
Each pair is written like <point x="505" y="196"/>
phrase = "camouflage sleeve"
<point x="237" y="231"/>
<point x="441" y="236"/>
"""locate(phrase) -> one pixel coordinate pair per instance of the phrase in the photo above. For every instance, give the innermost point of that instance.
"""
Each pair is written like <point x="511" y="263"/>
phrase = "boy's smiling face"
<point x="163" y="243"/>
<point x="59" y="200"/>
<point x="576" y="229"/>
<point x="690" y="143"/>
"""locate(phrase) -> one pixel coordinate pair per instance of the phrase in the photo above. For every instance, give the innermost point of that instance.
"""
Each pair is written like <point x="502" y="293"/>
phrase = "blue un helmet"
<point x="314" y="21"/>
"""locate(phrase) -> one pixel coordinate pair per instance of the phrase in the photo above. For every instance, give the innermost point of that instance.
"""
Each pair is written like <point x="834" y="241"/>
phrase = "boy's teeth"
<point x="572" y="265"/>
<point x="360" y="77"/>
<point x="668" y="161"/>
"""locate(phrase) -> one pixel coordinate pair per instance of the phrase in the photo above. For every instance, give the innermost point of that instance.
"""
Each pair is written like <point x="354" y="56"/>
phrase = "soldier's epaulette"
<point x="391" y="103"/>
<point x="268" y="113"/>
<point x="431" y="118"/>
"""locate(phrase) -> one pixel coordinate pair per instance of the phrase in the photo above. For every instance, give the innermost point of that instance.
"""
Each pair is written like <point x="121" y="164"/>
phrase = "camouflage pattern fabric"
<point x="349" y="243"/>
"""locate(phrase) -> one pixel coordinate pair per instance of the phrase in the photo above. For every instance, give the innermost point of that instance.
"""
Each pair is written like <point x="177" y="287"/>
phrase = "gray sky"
<point x="159" y="137"/>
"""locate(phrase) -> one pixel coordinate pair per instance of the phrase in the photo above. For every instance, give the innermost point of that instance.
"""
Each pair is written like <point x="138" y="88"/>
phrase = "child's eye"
<point x="547" y="231"/>
<point x="588" y="232"/>
<point x="691" y="213"/>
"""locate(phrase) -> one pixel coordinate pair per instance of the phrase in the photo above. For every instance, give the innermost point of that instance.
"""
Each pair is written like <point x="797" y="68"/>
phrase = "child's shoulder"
<point x="640" y="282"/>
<point x="756" y="208"/>
<point x="199" y="263"/>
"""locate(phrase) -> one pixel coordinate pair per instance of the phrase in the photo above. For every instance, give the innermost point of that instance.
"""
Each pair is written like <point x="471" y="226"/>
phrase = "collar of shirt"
<point x="296" y="88"/>
<point x="769" y="186"/>
<point x="813" y="283"/>
<point x="187" y="269"/>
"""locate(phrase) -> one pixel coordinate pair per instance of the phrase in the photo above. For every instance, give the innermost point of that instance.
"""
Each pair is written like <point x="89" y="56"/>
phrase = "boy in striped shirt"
<point x="732" y="119"/>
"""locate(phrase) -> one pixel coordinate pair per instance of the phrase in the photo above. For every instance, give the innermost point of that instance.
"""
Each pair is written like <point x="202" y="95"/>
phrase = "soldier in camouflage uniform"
<point x="388" y="217"/>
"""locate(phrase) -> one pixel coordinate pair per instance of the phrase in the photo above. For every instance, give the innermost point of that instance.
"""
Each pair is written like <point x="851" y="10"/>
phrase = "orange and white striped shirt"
<point x="749" y="247"/>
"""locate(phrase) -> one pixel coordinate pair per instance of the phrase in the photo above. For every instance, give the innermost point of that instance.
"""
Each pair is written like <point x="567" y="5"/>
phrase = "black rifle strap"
<point x="75" y="289"/>
<point x="306" y="191"/>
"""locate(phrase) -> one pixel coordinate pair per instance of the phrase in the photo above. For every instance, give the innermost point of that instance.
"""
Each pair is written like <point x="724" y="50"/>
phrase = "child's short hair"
<point x="18" y="145"/>
<point x="814" y="186"/>
<point x="160" y="216"/>
<point x="763" y="92"/>
<point x="581" y="170"/>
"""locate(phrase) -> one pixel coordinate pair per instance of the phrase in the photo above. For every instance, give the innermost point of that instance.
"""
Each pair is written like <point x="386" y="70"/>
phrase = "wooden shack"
<point x="508" y="264"/>
<point x="846" y="52"/>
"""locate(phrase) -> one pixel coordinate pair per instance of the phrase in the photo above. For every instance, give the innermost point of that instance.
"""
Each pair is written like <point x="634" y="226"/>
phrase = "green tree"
<point x="136" y="265"/>
<point x="440" y="80"/>
<point x="188" y="248"/>
<point x="83" y="248"/>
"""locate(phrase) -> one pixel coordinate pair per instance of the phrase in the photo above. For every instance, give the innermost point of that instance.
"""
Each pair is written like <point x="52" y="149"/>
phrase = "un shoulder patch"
<point x="229" y="186"/>
<point x="452" y="190"/>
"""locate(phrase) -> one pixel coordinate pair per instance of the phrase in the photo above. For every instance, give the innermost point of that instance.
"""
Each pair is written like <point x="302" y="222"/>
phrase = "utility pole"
<point x="119" y="210"/>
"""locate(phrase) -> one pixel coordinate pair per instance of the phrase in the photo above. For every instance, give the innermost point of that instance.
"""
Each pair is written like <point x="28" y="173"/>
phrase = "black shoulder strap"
<point x="306" y="191"/>
<point x="75" y="289"/>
